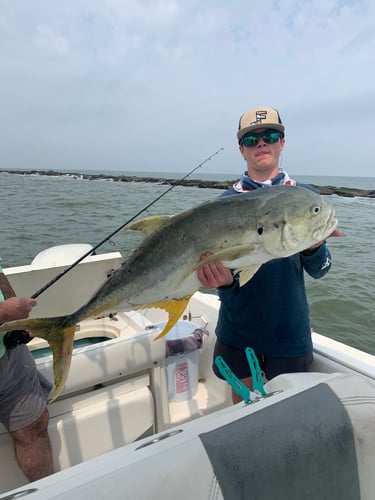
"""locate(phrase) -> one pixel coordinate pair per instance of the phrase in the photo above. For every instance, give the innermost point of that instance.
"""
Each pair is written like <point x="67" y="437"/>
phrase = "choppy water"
<point x="39" y="212"/>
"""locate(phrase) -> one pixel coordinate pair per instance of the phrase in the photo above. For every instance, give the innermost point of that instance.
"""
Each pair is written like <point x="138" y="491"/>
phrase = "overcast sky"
<point x="160" y="84"/>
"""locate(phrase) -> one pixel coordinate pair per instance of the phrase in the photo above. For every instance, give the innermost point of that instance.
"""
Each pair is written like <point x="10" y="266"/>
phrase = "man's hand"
<point x="335" y="234"/>
<point x="214" y="275"/>
<point x="16" y="308"/>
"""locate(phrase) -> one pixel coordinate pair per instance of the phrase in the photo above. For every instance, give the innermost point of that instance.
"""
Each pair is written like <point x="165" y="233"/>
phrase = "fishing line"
<point x="92" y="250"/>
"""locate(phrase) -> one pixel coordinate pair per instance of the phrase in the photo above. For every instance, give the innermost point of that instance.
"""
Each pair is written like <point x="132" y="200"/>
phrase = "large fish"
<point x="242" y="231"/>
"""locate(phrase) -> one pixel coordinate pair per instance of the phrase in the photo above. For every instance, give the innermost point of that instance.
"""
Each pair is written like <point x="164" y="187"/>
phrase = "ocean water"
<point x="39" y="212"/>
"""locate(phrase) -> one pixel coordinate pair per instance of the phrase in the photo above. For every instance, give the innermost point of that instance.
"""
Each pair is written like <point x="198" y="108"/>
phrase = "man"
<point x="23" y="392"/>
<point x="270" y="313"/>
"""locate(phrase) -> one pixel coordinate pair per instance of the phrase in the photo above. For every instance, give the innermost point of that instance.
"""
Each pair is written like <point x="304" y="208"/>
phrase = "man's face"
<point x="263" y="155"/>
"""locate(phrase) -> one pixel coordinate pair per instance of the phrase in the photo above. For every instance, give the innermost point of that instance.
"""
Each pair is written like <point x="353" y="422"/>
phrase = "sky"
<point x="160" y="85"/>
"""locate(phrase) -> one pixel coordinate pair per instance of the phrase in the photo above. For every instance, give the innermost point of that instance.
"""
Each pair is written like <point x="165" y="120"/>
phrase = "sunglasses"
<point x="269" y="136"/>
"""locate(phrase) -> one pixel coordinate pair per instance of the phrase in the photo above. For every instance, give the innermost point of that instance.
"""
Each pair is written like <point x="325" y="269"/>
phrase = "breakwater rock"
<point x="325" y="190"/>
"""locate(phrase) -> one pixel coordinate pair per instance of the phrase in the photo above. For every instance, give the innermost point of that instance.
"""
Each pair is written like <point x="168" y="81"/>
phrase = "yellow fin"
<point x="22" y="324"/>
<point x="150" y="224"/>
<point x="62" y="348"/>
<point x="247" y="273"/>
<point x="174" y="308"/>
<point x="39" y="326"/>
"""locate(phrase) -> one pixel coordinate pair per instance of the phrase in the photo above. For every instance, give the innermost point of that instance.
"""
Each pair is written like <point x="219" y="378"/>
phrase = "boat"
<point x="139" y="420"/>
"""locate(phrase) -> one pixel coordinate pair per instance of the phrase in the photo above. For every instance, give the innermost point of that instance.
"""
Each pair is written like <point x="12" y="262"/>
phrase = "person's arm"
<point x="16" y="308"/>
<point x="317" y="260"/>
<point x="5" y="286"/>
<point x="13" y="307"/>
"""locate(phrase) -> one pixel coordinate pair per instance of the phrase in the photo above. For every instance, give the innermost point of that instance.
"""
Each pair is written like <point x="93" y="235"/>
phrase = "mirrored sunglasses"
<point x="269" y="136"/>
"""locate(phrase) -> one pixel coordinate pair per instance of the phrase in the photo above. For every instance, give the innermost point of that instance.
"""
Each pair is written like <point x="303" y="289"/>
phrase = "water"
<point x="39" y="212"/>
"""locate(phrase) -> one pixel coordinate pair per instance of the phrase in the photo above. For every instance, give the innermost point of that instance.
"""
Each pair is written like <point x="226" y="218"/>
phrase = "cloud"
<point x="50" y="41"/>
<point x="155" y="85"/>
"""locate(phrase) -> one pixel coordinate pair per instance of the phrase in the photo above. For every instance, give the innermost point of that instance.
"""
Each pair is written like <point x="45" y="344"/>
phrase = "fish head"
<point x="295" y="219"/>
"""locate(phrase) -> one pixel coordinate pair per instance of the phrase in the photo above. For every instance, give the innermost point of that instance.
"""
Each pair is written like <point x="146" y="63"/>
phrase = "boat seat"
<point x="309" y="443"/>
<point x="81" y="282"/>
<point x="301" y="380"/>
<point x="129" y="352"/>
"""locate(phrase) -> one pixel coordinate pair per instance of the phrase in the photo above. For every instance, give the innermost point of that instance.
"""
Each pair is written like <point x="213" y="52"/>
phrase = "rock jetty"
<point x="325" y="190"/>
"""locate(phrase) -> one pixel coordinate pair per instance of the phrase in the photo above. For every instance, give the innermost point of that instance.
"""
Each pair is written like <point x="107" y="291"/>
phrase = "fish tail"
<point x="59" y="333"/>
<point x="61" y="343"/>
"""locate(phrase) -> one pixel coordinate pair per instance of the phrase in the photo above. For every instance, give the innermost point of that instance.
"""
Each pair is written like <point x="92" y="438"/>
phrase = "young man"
<point x="23" y="392"/>
<point x="270" y="313"/>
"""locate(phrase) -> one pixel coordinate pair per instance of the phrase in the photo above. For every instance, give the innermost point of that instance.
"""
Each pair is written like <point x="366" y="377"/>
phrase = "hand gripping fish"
<point x="242" y="231"/>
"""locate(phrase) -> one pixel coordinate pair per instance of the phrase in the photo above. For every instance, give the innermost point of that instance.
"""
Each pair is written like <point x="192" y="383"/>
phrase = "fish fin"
<point x="149" y="224"/>
<point x="246" y="273"/>
<point x="62" y="348"/>
<point x="38" y="326"/>
<point x="232" y="253"/>
<point x="174" y="308"/>
<point x="60" y="339"/>
<point x="15" y="325"/>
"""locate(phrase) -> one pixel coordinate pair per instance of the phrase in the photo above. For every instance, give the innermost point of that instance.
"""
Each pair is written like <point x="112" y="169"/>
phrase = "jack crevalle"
<point x="242" y="231"/>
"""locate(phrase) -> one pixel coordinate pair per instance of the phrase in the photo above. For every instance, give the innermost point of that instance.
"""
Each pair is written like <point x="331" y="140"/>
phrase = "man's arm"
<point x="13" y="307"/>
<point x="317" y="260"/>
<point x="6" y="287"/>
<point x="16" y="308"/>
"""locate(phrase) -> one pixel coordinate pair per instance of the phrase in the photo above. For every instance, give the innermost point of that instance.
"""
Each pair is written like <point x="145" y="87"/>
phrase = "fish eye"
<point x="316" y="209"/>
<point x="260" y="230"/>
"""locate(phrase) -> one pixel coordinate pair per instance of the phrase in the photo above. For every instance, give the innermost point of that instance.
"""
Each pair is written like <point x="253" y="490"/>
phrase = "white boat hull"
<point x="312" y="440"/>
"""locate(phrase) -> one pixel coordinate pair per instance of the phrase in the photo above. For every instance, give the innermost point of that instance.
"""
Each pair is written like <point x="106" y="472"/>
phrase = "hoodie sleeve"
<point x="318" y="263"/>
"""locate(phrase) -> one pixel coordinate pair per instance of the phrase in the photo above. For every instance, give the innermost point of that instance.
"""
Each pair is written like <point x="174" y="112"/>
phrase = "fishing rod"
<point x="92" y="250"/>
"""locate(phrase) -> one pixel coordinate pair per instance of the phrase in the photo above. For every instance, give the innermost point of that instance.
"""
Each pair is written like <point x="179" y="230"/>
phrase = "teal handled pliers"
<point x="239" y="387"/>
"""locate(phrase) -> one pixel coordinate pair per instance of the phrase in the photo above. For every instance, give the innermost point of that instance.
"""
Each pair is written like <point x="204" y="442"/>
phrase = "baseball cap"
<point x="258" y="118"/>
